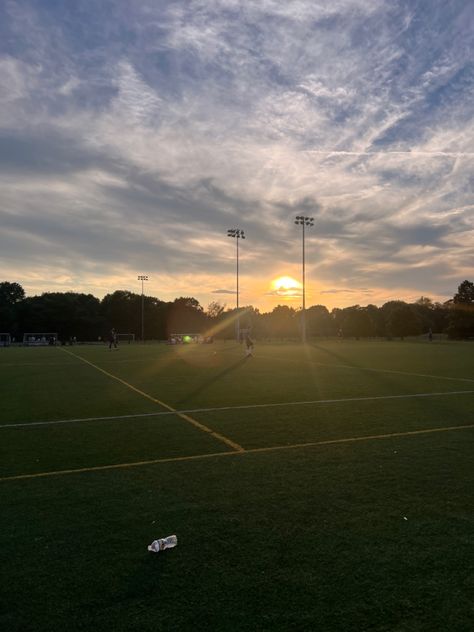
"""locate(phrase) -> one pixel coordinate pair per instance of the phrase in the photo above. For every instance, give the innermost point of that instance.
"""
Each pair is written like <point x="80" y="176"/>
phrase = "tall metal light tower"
<point x="303" y="221"/>
<point x="237" y="233"/>
<point x="142" y="278"/>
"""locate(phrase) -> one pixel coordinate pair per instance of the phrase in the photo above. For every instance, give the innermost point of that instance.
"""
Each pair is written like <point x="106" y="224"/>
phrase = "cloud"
<point x="134" y="140"/>
<point x="345" y="291"/>
<point x="17" y="79"/>
<point x="285" y="293"/>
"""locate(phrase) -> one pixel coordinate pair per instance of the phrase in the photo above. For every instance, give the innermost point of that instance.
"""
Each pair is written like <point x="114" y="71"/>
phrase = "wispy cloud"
<point x="345" y="291"/>
<point x="132" y="135"/>
<point x="285" y="293"/>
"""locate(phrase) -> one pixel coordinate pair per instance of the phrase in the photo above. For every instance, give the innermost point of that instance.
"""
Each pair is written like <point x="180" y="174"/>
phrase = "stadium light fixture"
<point x="142" y="278"/>
<point x="237" y="233"/>
<point x="304" y="222"/>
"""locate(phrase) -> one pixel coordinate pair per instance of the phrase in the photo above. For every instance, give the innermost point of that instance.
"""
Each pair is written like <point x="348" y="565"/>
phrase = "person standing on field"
<point x="112" y="339"/>
<point x="248" y="345"/>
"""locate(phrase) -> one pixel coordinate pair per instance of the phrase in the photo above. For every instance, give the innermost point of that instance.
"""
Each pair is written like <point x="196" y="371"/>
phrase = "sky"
<point x="133" y="135"/>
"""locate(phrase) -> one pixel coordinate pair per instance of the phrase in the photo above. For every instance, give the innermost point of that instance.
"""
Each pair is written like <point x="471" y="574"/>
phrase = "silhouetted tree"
<point x="11" y="294"/>
<point x="84" y="316"/>
<point x="281" y="322"/>
<point x="465" y="294"/>
<point x="319" y="321"/>
<point x="356" y="322"/>
<point x="401" y="319"/>
<point x="337" y="315"/>
<point x="461" y="312"/>
<point x="214" y="310"/>
<point x="65" y="313"/>
<point x="377" y="321"/>
<point x="122" y="310"/>
<point x="185" y="315"/>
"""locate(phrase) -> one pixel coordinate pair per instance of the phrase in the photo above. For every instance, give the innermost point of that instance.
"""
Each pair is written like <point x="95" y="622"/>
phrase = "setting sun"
<point x="286" y="286"/>
<point x="285" y="283"/>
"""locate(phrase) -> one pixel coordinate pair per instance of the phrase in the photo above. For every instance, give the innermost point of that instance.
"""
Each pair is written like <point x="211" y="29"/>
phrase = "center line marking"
<point x="232" y="444"/>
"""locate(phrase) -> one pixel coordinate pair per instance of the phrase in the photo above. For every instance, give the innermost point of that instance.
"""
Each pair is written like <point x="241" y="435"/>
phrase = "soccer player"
<point x="248" y="345"/>
<point x="112" y="339"/>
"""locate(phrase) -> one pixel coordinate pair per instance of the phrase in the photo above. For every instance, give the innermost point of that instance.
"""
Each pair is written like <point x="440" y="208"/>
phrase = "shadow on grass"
<point x="202" y="387"/>
<point x="338" y="356"/>
<point x="230" y="347"/>
<point x="380" y="377"/>
<point x="384" y="379"/>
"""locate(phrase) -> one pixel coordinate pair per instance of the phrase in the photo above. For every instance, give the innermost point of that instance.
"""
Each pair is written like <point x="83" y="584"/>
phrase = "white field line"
<point x="241" y="453"/>
<point x="266" y="357"/>
<point x="231" y="408"/>
<point x="187" y="418"/>
<point x="315" y="362"/>
<point x="362" y="368"/>
<point x="40" y="365"/>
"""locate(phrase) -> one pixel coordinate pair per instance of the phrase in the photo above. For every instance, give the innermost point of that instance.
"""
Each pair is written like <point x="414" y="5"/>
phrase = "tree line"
<point x="87" y="318"/>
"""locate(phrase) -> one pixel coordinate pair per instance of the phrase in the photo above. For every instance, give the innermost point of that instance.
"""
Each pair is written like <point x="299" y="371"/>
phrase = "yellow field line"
<point x="117" y="466"/>
<point x="196" y="424"/>
<point x="197" y="457"/>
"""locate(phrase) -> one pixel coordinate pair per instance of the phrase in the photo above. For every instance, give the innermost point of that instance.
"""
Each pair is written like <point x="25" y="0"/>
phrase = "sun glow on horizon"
<point x="286" y="287"/>
<point x="286" y="283"/>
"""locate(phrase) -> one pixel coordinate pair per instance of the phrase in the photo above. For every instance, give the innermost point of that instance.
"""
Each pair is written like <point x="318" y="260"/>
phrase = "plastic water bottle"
<point x="163" y="543"/>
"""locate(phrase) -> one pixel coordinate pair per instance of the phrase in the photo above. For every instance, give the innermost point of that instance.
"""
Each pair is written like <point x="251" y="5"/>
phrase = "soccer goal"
<point x="126" y="338"/>
<point x="5" y="340"/>
<point x="39" y="339"/>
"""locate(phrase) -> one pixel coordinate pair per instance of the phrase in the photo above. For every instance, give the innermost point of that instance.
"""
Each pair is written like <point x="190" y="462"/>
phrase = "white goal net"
<point x="5" y="340"/>
<point x="125" y="338"/>
<point x="39" y="339"/>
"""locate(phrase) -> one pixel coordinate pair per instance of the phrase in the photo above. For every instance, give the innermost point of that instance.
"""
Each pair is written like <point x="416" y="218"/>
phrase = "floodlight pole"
<point x="143" y="277"/>
<point x="237" y="234"/>
<point x="237" y="246"/>
<point x="304" y="221"/>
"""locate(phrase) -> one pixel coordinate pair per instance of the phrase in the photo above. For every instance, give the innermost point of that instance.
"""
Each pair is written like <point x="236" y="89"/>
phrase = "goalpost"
<point x="125" y="338"/>
<point x="5" y="340"/>
<point x="39" y="339"/>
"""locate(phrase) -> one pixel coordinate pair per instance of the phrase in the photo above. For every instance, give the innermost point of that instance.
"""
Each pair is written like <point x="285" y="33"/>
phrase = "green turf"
<point x="365" y="535"/>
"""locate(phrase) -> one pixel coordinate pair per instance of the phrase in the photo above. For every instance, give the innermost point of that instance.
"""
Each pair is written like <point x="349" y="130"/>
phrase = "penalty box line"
<point x="314" y="402"/>
<point x="196" y="457"/>
<point x="232" y="444"/>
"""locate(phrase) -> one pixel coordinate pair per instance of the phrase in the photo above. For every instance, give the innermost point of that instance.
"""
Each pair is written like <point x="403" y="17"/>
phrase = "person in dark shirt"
<point x="248" y="345"/>
<point x="112" y="339"/>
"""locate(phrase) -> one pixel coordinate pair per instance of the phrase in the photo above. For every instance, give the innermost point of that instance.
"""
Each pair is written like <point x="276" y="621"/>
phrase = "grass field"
<point x="326" y="487"/>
